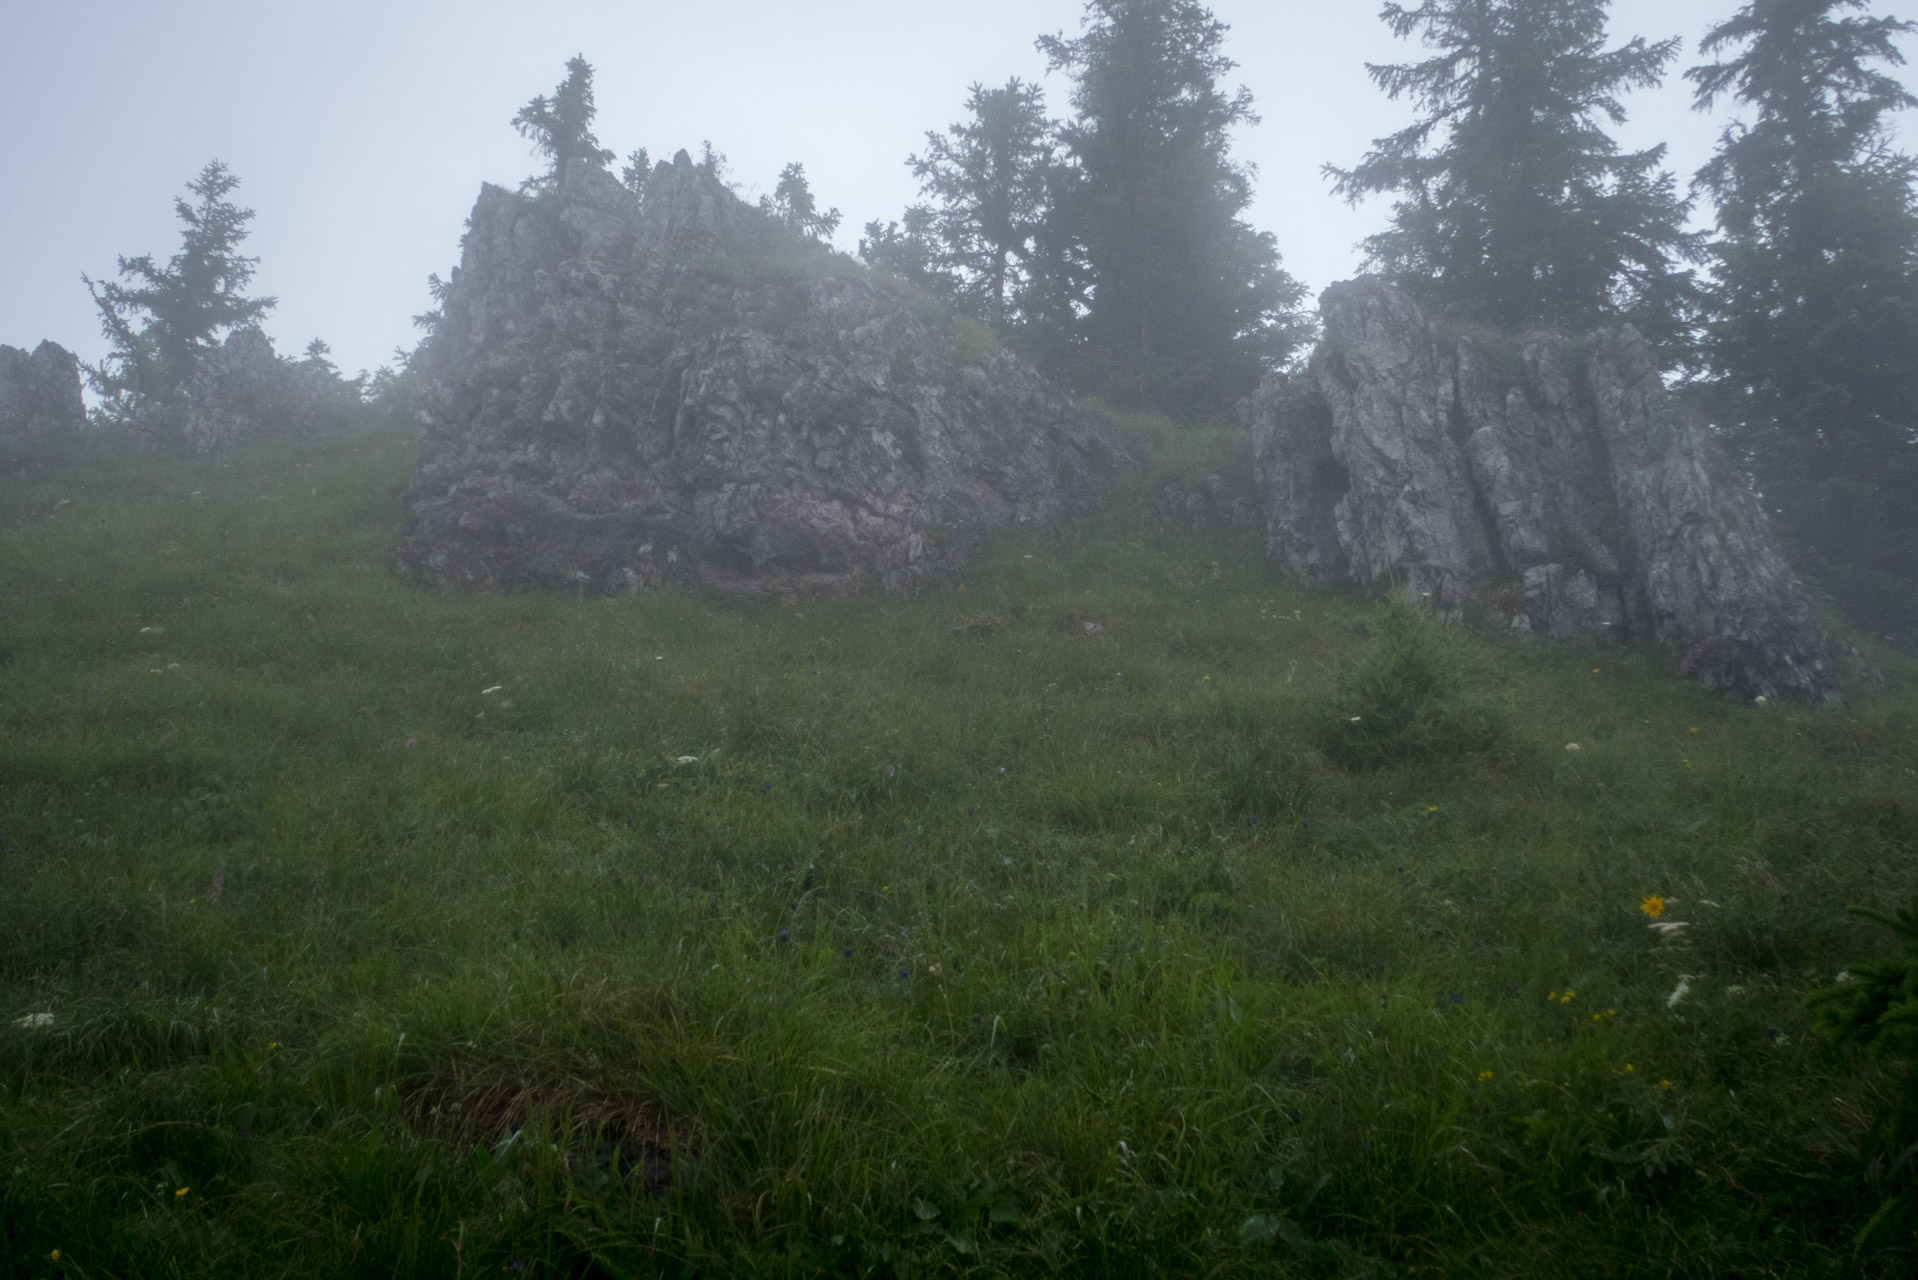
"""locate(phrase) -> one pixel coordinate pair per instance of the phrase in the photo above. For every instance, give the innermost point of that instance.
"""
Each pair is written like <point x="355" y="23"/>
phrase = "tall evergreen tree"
<point x="1813" y="337"/>
<point x="561" y="127"/>
<point x="160" y="320"/>
<point x="987" y="177"/>
<point x="1515" y="206"/>
<point x="1153" y="198"/>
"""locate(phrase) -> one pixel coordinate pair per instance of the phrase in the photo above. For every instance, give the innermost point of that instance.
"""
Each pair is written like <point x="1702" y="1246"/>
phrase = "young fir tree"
<point x="1813" y="335"/>
<point x="792" y="203"/>
<point x="1515" y="207"/>
<point x="561" y="127"/>
<point x="987" y="179"/>
<point x="158" y="320"/>
<point x="909" y="250"/>
<point x="1152" y="199"/>
<point x="638" y="168"/>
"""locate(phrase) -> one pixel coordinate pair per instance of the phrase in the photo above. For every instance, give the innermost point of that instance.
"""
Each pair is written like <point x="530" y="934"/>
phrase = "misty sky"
<point x="362" y="130"/>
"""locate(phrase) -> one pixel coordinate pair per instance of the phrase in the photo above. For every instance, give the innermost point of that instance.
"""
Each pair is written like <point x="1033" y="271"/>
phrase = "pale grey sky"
<point x="362" y="129"/>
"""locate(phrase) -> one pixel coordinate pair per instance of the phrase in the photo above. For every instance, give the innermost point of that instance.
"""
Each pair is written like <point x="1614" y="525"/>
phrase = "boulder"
<point x="39" y="391"/>
<point x="1551" y="486"/>
<point x="631" y="390"/>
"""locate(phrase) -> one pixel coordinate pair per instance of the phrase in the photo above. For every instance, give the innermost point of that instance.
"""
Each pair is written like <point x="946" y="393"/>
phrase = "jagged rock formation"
<point x="1555" y="488"/>
<point x="626" y="391"/>
<point x="39" y="392"/>
<point x="242" y="388"/>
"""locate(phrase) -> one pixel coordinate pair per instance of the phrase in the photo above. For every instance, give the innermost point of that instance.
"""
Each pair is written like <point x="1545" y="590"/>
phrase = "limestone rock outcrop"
<point x="243" y="388"/>
<point x="627" y="390"/>
<point x="1553" y="488"/>
<point x="39" y="391"/>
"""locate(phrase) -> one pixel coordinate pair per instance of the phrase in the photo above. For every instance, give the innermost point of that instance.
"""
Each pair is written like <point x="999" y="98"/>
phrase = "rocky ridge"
<point x="1556" y="489"/>
<point x="628" y="390"/>
<point x="39" y="391"/>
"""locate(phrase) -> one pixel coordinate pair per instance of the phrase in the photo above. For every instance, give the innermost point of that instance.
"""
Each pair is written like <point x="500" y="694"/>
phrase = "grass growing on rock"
<point x="348" y="929"/>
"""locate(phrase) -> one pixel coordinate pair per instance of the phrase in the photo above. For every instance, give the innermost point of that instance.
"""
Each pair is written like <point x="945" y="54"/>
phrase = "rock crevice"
<point x="1552" y="486"/>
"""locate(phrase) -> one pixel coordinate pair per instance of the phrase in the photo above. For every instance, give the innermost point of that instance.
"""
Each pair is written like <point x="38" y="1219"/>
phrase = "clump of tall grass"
<point x="1416" y="690"/>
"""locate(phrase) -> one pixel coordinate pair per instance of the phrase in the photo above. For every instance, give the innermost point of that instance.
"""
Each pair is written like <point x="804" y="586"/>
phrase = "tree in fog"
<point x="160" y="320"/>
<point x="1153" y="197"/>
<point x="1514" y="205"/>
<point x="910" y="250"/>
<point x="792" y="203"/>
<point x="1812" y="341"/>
<point x="986" y="177"/>
<point x="639" y="167"/>
<point x="561" y="127"/>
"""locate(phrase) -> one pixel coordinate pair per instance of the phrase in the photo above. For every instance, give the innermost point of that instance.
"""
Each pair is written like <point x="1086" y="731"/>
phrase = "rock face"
<point x="39" y="392"/>
<point x="671" y="387"/>
<point x="1555" y="488"/>
<point x="243" y="388"/>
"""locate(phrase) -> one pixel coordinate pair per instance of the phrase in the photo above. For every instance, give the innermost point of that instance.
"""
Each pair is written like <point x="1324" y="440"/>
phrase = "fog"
<point x="362" y="131"/>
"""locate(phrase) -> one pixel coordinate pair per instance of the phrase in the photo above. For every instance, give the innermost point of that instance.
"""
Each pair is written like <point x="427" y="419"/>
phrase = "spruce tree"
<point x="159" y="321"/>
<point x="909" y="250"/>
<point x="1812" y="342"/>
<point x="561" y="127"/>
<point x="1152" y="199"/>
<point x="792" y="203"/>
<point x="1514" y="206"/>
<point x="987" y="179"/>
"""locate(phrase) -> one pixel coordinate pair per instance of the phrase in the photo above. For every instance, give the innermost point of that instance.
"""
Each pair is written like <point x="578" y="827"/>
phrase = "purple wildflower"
<point x="783" y="936"/>
<point x="411" y="743"/>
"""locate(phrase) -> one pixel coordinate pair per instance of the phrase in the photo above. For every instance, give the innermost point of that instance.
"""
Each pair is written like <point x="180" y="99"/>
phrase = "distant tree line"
<point x="1111" y="245"/>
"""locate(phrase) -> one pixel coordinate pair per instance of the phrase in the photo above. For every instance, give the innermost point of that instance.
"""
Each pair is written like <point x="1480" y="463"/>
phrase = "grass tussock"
<point x="347" y="929"/>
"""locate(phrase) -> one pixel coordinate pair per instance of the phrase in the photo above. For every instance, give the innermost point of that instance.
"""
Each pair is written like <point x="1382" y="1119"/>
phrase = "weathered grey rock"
<point x="39" y="391"/>
<point x="1556" y="488"/>
<point x="630" y="391"/>
<point x="243" y="388"/>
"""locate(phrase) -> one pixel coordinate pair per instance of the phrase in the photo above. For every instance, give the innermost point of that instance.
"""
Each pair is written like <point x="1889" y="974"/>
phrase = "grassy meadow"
<point x="348" y="929"/>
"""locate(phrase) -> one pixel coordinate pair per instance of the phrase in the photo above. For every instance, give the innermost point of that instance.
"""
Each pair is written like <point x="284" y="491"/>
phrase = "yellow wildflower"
<point x="182" y="1191"/>
<point x="1567" y="997"/>
<point x="1664" y="1084"/>
<point x="1484" y="1076"/>
<point x="1653" y="906"/>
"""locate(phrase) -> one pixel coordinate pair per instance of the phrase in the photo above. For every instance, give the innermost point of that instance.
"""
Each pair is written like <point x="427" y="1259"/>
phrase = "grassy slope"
<point x="1008" y="954"/>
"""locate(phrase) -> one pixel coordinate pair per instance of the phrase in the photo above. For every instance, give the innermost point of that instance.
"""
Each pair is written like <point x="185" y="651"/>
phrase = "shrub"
<point x="1414" y="691"/>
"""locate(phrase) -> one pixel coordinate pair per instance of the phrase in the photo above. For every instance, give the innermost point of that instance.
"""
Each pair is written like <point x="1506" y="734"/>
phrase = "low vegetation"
<point x="1037" y="926"/>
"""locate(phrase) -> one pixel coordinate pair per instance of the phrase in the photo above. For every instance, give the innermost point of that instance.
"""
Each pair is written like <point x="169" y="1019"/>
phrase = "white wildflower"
<point x="1667" y="928"/>
<point x="1679" y="992"/>
<point x="685" y="759"/>
<point x="34" y="1022"/>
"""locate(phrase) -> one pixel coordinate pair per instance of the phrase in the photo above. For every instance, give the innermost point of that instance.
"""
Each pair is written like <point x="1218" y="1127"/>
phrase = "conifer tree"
<point x="1514" y="205"/>
<point x="1813" y="335"/>
<point x="909" y="250"/>
<point x="792" y="203"/>
<point x="987" y="177"/>
<point x="561" y="127"/>
<point x="160" y="320"/>
<point x="1152" y="199"/>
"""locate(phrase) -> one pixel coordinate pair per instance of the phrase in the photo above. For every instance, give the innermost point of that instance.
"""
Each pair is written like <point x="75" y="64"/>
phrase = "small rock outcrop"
<point x="1553" y="488"/>
<point x="243" y="388"/>
<point x="627" y="390"/>
<point x="39" y="391"/>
